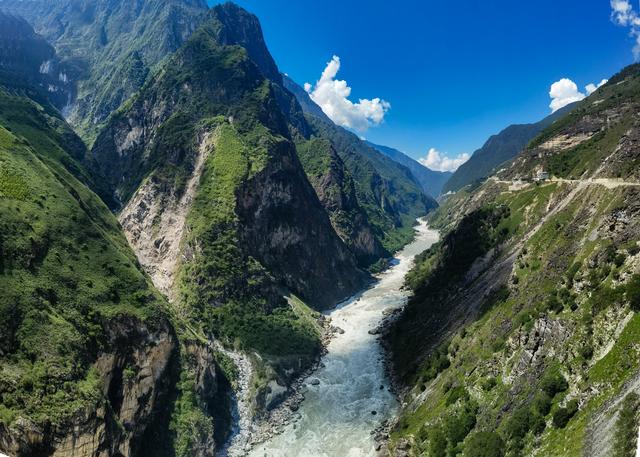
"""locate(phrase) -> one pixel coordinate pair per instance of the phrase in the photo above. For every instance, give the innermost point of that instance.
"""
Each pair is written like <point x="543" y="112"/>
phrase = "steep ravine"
<point x="154" y="223"/>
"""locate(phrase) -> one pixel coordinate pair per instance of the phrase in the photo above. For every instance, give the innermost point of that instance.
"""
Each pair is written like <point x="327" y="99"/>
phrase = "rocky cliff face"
<point x="528" y="340"/>
<point x="335" y="188"/>
<point x="134" y="375"/>
<point x="154" y="222"/>
<point x="29" y="63"/>
<point x="281" y="214"/>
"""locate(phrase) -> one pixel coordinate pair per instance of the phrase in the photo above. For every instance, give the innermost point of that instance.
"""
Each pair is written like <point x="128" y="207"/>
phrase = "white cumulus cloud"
<point x="332" y="95"/>
<point x="565" y="92"/>
<point x="591" y="88"/>
<point x="435" y="160"/>
<point x="623" y="14"/>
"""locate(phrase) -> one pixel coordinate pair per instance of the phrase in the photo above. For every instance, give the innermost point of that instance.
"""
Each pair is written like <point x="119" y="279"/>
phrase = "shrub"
<point x="571" y="273"/>
<point x="563" y="415"/>
<point x="437" y="442"/>
<point x="553" y="382"/>
<point x="489" y="383"/>
<point x="436" y="363"/>
<point x="603" y="297"/>
<point x="626" y="428"/>
<point x="633" y="292"/>
<point x="586" y="351"/>
<point x="128" y="374"/>
<point x="619" y="259"/>
<point x="457" y="426"/>
<point x="455" y="394"/>
<point x="554" y="304"/>
<point x="537" y="423"/>
<point x="484" y="444"/>
<point x="518" y="424"/>
<point x="541" y="403"/>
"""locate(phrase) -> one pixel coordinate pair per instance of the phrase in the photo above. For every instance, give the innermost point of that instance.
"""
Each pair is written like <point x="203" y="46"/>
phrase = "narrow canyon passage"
<point x="349" y="396"/>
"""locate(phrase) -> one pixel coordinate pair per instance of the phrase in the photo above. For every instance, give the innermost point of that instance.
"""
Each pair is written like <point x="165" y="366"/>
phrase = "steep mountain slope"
<point x="499" y="149"/>
<point x="218" y="209"/>
<point x="336" y="190"/>
<point x="386" y="191"/>
<point x="524" y="319"/>
<point x="29" y="63"/>
<point x="307" y="105"/>
<point x="212" y="96"/>
<point x="325" y="170"/>
<point x="87" y="348"/>
<point x="108" y="47"/>
<point x="431" y="181"/>
<point x="387" y="199"/>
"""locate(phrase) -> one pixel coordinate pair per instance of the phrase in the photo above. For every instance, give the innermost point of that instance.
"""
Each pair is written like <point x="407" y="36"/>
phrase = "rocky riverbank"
<point x="286" y="412"/>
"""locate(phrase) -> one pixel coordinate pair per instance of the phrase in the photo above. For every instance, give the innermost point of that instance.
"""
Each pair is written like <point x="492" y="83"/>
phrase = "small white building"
<point x="541" y="175"/>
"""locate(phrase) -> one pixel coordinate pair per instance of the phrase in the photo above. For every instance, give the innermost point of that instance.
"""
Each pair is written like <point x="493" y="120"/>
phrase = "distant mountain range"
<point x="431" y="181"/>
<point x="497" y="150"/>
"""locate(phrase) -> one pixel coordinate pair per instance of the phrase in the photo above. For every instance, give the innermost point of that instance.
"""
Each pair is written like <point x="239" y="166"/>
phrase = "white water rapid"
<point x="337" y="415"/>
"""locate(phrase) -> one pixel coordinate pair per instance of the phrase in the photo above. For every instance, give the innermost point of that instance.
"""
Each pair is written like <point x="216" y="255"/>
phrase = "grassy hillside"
<point x="67" y="276"/>
<point x="525" y="315"/>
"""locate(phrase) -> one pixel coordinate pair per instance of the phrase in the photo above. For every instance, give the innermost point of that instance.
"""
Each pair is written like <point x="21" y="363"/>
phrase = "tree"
<point x="563" y="415"/>
<point x="553" y="382"/>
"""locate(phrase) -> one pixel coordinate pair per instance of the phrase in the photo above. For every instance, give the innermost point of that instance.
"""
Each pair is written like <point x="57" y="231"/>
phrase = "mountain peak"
<point x="28" y="62"/>
<point x="239" y="27"/>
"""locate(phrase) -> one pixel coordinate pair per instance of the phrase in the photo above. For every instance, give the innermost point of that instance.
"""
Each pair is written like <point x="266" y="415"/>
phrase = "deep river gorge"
<point x="349" y="395"/>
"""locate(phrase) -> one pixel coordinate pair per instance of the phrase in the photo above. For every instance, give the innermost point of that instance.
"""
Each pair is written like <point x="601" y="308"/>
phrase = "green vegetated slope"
<point x="597" y="139"/>
<point x="231" y="294"/>
<point x="72" y="296"/>
<point x="336" y="190"/>
<point x="108" y="47"/>
<point x="386" y="191"/>
<point x="524" y="317"/>
<point x="498" y="150"/>
<point x="255" y="230"/>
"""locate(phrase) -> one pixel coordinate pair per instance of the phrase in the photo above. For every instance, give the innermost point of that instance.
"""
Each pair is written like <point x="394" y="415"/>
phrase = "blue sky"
<point x="454" y="73"/>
